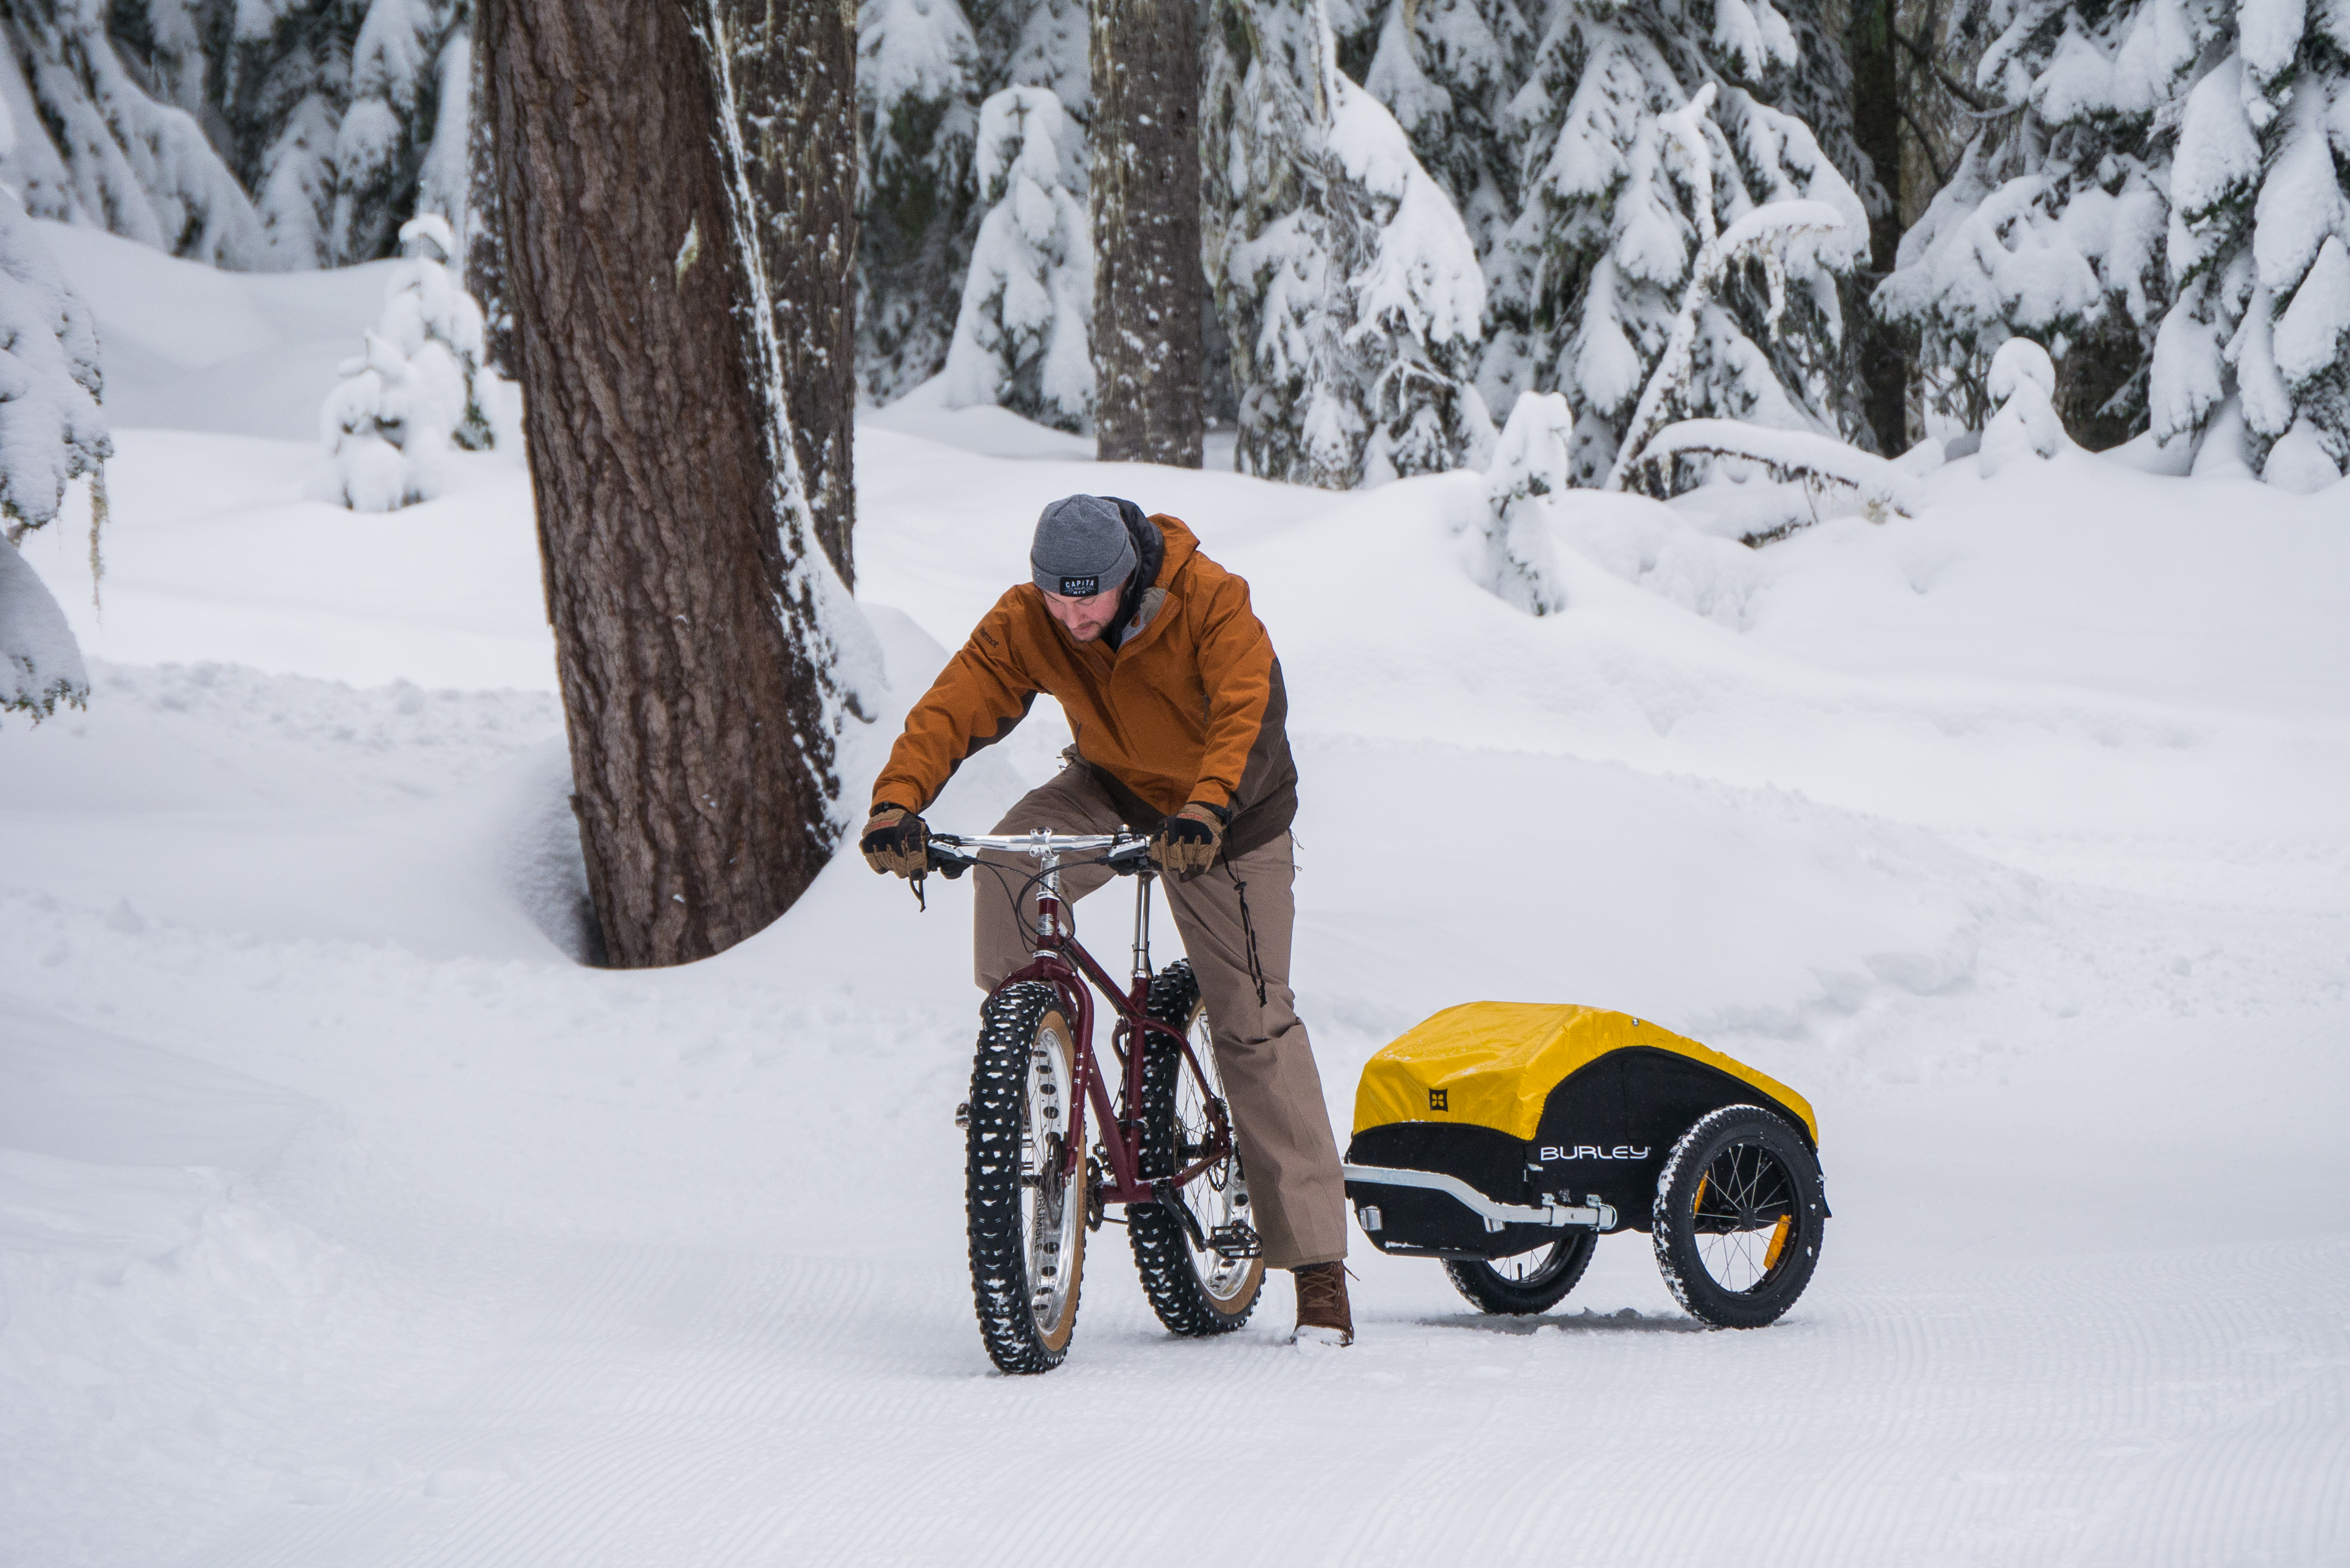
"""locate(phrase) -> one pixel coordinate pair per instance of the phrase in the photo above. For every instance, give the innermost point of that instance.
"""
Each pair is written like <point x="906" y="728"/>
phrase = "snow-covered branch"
<point x="1790" y="456"/>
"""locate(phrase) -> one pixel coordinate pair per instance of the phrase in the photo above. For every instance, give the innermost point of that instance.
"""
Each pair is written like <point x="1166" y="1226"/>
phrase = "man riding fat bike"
<point x="1175" y="696"/>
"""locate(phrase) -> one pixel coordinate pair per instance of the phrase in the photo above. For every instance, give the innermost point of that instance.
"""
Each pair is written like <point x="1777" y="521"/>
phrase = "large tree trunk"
<point x="795" y="88"/>
<point x="1148" y="288"/>
<point x="1876" y="129"/>
<point x="690" y="634"/>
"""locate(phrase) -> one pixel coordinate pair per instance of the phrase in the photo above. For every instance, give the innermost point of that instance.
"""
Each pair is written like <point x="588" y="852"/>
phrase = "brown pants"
<point x="1262" y="1052"/>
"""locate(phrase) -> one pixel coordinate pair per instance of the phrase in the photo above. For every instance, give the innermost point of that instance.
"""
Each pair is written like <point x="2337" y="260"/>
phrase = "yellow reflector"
<point x="1779" y="1234"/>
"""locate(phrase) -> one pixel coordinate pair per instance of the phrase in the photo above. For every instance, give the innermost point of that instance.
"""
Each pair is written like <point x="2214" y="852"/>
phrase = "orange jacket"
<point x="1190" y="707"/>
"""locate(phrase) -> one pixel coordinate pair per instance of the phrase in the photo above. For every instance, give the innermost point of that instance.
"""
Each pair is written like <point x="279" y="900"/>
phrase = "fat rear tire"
<point x="1027" y="1228"/>
<point x="1740" y="1212"/>
<point x="1194" y="1292"/>
<point x="1550" y="1271"/>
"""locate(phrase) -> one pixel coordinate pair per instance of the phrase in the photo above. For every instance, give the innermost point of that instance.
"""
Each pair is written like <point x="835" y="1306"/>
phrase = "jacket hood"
<point x="1161" y="548"/>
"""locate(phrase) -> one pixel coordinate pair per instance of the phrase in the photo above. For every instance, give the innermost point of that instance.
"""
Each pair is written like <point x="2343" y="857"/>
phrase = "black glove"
<point x="896" y="840"/>
<point x="1187" y="842"/>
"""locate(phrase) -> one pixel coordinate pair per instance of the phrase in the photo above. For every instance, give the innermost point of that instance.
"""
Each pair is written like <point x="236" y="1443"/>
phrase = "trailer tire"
<point x="1739" y="1215"/>
<point x="1489" y="1288"/>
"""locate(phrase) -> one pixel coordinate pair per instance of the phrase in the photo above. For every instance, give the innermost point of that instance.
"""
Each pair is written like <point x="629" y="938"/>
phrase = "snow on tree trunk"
<point x="1534" y="457"/>
<point x="92" y="147"/>
<point x="1599" y="257"/>
<point x="1148" y="290"/>
<point x="1347" y="282"/>
<point x="50" y="434"/>
<point x="795" y="71"/>
<point x="1020" y="338"/>
<point x="2156" y="202"/>
<point x="706" y="651"/>
<point x="412" y="395"/>
<point x="917" y="85"/>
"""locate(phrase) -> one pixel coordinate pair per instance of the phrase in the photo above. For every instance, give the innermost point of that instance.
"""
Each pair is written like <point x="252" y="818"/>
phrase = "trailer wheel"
<point x="1530" y="1281"/>
<point x="1739" y="1215"/>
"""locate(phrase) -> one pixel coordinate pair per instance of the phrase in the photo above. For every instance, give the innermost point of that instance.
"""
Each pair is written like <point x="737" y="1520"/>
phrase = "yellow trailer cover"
<point x="1493" y="1064"/>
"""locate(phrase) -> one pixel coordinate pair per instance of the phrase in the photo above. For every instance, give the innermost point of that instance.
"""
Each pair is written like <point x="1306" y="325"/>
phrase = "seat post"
<point x="1141" y="920"/>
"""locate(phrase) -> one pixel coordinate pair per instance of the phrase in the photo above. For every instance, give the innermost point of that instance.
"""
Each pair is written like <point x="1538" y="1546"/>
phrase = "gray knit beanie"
<point x="1082" y="547"/>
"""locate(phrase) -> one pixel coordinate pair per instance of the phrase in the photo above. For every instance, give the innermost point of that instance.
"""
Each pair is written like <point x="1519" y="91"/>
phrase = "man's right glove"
<point x="896" y="840"/>
<point x="1187" y="842"/>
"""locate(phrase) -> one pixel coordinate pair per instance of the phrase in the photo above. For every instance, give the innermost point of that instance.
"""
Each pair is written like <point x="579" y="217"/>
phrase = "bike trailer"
<point x="1522" y="1131"/>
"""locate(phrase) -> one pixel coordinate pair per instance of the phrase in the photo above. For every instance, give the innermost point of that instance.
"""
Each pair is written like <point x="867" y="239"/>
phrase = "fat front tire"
<point x="1740" y="1212"/>
<point x="1530" y="1281"/>
<point x="1194" y="1292"/>
<point x="1027" y="1213"/>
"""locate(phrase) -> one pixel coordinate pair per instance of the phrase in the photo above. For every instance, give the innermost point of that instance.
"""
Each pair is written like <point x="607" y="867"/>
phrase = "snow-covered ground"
<point x="345" y="1220"/>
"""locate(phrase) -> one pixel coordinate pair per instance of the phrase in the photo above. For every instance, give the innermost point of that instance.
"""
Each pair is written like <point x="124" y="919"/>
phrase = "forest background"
<point x="1611" y="243"/>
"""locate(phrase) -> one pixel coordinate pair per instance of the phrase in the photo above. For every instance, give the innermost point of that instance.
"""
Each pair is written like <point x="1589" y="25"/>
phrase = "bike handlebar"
<point x="952" y="853"/>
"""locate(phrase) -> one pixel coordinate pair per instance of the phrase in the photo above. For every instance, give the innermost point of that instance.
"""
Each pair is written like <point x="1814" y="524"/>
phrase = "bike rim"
<point x="1743" y="1218"/>
<point x="1052" y="1206"/>
<point x="1538" y="1267"/>
<point x="1218" y="1195"/>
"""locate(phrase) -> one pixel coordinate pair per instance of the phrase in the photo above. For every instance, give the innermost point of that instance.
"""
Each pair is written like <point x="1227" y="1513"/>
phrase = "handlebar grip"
<point x="947" y="866"/>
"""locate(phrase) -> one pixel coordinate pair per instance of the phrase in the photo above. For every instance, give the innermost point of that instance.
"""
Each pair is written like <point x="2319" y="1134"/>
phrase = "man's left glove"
<point x="896" y="840"/>
<point x="1187" y="842"/>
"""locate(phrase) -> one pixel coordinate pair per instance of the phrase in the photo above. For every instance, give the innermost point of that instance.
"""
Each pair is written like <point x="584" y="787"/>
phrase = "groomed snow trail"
<point x="344" y="1219"/>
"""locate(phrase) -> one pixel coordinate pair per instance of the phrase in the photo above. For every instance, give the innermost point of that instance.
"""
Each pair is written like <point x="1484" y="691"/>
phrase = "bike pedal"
<point x="1237" y="1239"/>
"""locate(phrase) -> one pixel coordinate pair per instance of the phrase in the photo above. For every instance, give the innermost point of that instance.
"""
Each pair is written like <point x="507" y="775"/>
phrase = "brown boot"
<point x="1323" y="1317"/>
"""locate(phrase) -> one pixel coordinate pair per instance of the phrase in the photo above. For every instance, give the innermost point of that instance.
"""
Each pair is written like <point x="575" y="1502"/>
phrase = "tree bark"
<point x="484" y="262"/>
<point x="694" y="666"/>
<point x="795" y="90"/>
<point x="1148" y="287"/>
<point x="1885" y="371"/>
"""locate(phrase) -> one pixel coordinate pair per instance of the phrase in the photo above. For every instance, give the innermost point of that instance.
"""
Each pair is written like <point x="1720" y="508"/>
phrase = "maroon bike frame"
<point x="1062" y="963"/>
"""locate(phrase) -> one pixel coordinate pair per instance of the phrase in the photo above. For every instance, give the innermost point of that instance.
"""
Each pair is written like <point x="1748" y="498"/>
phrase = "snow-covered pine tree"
<point x="1447" y="70"/>
<point x="1591" y="271"/>
<point x="412" y="393"/>
<point x="390" y="129"/>
<point x="1534" y="457"/>
<point x="1766" y="236"/>
<point x="2023" y="381"/>
<point x="917" y="112"/>
<point x="2164" y="205"/>
<point x="1022" y="338"/>
<point x="50" y="434"/>
<point x="923" y="67"/>
<point x="1036" y="43"/>
<point x="1346" y="280"/>
<point x="91" y="145"/>
<point x="284" y="77"/>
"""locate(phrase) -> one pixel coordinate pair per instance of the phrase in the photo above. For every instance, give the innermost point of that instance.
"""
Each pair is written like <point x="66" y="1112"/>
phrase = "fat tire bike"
<point x="1052" y="1140"/>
